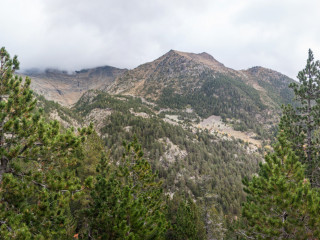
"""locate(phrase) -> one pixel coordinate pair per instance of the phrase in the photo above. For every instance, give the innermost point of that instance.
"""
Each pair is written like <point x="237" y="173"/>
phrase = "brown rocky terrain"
<point x="182" y="70"/>
<point x="179" y="70"/>
<point x="248" y="100"/>
<point x="65" y="88"/>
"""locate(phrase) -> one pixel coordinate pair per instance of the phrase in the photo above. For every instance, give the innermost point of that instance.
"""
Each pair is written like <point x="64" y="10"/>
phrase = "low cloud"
<point x="77" y="34"/>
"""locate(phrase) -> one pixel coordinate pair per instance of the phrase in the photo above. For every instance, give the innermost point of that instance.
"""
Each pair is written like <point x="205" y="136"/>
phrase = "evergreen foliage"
<point x="38" y="180"/>
<point x="281" y="203"/>
<point x="127" y="203"/>
<point x="185" y="220"/>
<point x="302" y="123"/>
<point x="225" y="161"/>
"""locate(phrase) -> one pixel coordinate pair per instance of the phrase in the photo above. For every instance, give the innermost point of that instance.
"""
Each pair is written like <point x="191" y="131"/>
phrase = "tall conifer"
<point x="38" y="162"/>
<point x="302" y="123"/>
<point x="127" y="202"/>
<point x="281" y="203"/>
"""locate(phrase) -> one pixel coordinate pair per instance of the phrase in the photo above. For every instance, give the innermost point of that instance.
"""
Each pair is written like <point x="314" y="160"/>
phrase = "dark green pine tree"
<point x="126" y="202"/>
<point x="185" y="220"/>
<point x="281" y="203"/>
<point x="302" y="123"/>
<point x="38" y="163"/>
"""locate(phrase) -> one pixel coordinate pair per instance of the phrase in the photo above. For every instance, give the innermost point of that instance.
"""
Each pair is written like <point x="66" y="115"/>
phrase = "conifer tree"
<point x="184" y="218"/>
<point x="281" y="203"/>
<point x="38" y="164"/>
<point x="302" y="123"/>
<point x="126" y="202"/>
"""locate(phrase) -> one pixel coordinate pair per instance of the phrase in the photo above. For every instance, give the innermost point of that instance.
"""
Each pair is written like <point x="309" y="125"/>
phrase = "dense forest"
<point x="143" y="178"/>
<point x="210" y="165"/>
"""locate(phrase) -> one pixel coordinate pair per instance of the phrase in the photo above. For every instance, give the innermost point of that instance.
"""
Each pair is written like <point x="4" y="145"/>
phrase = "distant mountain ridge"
<point x="249" y="99"/>
<point x="176" y="65"/>
<point x="65" y="88"/>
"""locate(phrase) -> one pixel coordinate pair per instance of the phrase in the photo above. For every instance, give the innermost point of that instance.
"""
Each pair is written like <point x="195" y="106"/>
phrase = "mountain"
<point x="195" y="88"/>
<point x="66" y="88"/>
<point x="186" y="72"/>
<point x="203" y="126"/>
<point x="250" y="99"/>
<point x="178" y="80"/>
<point x="180" y="70"/>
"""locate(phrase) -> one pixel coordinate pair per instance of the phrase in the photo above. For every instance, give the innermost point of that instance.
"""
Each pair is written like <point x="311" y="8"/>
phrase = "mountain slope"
<point x="250" y="99"/>
<point x="66" y="88"/>
<point x="246" y="100"/>
<point x="189" y="160"/>
<point x="271" y="84"/>
<point x="200" y="123"/>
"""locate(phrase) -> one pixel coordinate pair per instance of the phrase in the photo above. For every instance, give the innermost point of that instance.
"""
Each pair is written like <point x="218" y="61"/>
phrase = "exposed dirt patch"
<point x="215" y="125"/>
<point x="139" y="114"/>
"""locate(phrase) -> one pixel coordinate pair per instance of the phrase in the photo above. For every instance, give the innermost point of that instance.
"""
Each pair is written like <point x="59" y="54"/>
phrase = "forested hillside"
<point x="188" y="160"/>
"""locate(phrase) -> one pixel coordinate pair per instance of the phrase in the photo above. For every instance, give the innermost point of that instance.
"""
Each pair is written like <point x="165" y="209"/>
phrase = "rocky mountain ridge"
<point x="65" y="88"/>
<point x="180" y="70"/>
<point x="189" y="67"/>
<point x="247" y="100"/>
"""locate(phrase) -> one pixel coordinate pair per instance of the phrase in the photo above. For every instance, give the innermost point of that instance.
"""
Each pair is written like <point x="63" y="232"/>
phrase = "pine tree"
<point x="185" y="220"/>
<point x="16" y="103"/>
<point x="38" y="162"/>
<point x="302" y="123"/>
<point x="126" y="202"/>
<point x="281" y="203"/>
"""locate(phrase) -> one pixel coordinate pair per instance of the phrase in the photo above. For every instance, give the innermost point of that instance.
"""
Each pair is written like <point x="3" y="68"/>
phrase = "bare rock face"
<point x="176" y="69"/>
<point x="184" y="72"/>
<point x="65" y="88"/>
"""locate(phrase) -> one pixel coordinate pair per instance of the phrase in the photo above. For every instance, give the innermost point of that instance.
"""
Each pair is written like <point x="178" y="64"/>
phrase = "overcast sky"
<point x="75" y="34"/>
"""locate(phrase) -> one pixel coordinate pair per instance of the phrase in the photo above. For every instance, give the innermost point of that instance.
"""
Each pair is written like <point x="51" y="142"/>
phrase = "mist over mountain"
<point x="66" y="88"/>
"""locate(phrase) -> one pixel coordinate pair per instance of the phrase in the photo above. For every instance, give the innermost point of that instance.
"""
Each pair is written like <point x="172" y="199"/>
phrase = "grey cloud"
<point x="76" y="34"/>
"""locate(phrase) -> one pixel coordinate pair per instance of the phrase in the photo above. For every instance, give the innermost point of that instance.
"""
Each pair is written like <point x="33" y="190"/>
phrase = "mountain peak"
<point x="258" y="70"/>
<point x="202" y="58"/>
<point x="206" y="55"/>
